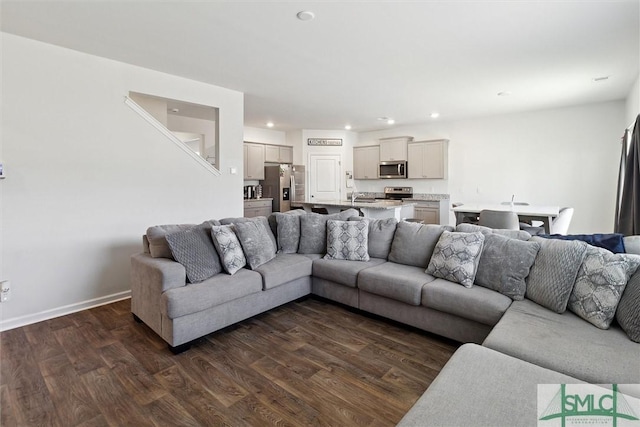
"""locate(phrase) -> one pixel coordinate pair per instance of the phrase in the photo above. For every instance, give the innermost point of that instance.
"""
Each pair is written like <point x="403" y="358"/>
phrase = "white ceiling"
<point x="360" y="60"/>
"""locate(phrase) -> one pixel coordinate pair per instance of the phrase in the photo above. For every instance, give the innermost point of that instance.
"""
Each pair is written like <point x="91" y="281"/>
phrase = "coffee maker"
<point x="249" y="191"/>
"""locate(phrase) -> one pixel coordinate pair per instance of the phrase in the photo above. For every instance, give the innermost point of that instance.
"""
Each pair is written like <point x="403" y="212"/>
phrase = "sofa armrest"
<point x="161" y="274"/>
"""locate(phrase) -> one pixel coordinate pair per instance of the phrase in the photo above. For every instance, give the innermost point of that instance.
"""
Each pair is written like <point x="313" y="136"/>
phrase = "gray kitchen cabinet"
<point x="278" y="154"/>
<point x="394" y="149"/>
<point x="257" y="207"/>
<point x="253" y="161"/>
<point x="428" y="159"/>
<point x="366" y="161"/>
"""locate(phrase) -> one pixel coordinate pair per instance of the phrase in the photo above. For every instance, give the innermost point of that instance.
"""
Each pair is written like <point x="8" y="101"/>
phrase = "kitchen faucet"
<point x="354" y="196"/>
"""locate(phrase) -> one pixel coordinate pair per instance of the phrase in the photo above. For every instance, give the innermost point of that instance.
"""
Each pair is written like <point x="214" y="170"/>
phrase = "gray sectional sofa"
<point x="529" y="310"/>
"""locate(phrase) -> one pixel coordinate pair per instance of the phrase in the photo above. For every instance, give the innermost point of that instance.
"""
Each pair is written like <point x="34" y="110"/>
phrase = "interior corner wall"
<point x="563" y="157"/>
<point x="633" y="102"/>
<point x="264" y="136"/>
<point x="86" y="175"/>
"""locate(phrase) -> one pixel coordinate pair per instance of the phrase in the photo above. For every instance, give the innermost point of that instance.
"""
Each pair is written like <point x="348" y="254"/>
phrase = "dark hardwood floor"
<point x="309" y="362"/>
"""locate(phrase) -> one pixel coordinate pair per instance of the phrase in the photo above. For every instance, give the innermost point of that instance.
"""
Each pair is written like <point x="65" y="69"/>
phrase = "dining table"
<point x="526" y="213"/>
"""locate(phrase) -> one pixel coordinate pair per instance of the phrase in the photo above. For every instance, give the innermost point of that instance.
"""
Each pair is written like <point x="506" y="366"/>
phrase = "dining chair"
<point x="560" y="224"/>
<point x="499" y="219"/>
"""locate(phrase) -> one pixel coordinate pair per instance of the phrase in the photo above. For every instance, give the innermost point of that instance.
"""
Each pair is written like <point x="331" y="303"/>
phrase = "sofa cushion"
<point x="214" y="291"/>
<point x="456" y="257"/>
<point x="505" y="264"/>
<point x="396" y="281"/>
<point x="502" y="392"/>
<point x="228" y="247"/>
<point x="513" y="234"/>
<point x="313" y="230"/>
<point x="628" y="313"/>
<point x="477" y="303"/>
<point x="554" y="272"/>
<point x="261" y="219"/>
<point x="341" y="271"/>
<point x="381" y="232"/>
<point x="413" y="243"/>
<point x="255" y="241"/>
<point x="566" y="343"/>
<point x="283" y="269"/>
<point x="156" y="236"/>
<point x="599" y="285"/>
<point x="194" y="249"/>
<point x="288" y="226"/>
<point x="348" y="240"/>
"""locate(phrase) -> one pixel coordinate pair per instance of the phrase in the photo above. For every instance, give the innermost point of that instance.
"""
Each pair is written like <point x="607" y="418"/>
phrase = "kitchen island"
<point x="370" y="208"/>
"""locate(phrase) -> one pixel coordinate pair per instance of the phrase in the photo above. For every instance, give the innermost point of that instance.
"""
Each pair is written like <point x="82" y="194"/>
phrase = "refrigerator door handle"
<point x="293" y="188"/>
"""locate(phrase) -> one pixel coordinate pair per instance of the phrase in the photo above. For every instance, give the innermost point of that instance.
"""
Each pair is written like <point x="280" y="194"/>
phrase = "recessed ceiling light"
<point x="306" y="15"/>
<point x="434" y="115"/>
<point x="270" y="124"/>
<point x="347" y="127"/>
<point x="504" y="93"/>
<point x="601" y="78"/>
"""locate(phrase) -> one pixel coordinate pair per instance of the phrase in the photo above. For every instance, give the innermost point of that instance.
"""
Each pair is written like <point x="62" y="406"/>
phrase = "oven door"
<point x="389" y="170"/>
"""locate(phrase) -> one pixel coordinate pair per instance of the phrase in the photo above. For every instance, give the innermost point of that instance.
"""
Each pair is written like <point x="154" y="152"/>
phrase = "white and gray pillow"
<point x="456" y="256"/>
<point x="261" y="219"/>
<point x="194" y="249"/>
<point x="347" y="240"/>
<point x="256" y="243"/>
<point x="381" y="232"/>
<point x="288" y="231"/>
<point x="628" y="313"/>
<point x="313" y="231"/>
<point x="599" y="285"/>
<point x="554" y="272"/>
<point x="505" y="263"/>
<point x="228" y="247"/>
<point x="413" y="243"/>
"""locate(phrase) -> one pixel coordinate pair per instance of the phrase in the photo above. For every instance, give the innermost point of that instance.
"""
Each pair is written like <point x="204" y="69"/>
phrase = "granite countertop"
<point x="257" y="200"/>
<point x="366" y="203"/>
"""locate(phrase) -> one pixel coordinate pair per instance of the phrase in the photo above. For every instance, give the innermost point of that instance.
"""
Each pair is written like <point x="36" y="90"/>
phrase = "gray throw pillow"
<point x="313" y="231"/>
<point x="513" y="234"/>
<point x="261" y="219"/>
<point x="599" y="285"/>
<point x="347" y="240"/>
<point x="413" y="243"/>
<point x="194" y="249"/>
<point x="505" y="264"/>
<point x="158" y="246"/>
<point x="554" y="272"/>
<point x="288" y="227"/>
<point x="381" y="232"/>
<point x="256" y="244"/>
<point x="229" y="248"/>
<point x="628" y="313"/>
<point x="455" y="257"/>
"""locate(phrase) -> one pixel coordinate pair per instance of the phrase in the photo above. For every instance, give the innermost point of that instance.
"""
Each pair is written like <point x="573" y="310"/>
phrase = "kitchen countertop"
<point x="359" y="204"/>
<point x="268" y="199"/>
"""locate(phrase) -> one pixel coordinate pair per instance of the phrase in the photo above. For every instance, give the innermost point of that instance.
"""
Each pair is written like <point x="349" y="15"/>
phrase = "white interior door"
<point x="324" y="177"/>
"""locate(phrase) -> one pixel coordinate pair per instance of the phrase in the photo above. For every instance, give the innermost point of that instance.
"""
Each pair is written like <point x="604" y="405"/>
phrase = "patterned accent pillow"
<point x="348" y="240"/>
<point x="554" y="272"/>
<point x="455" y="257"/>
<point x="194" y="249"/>
<point x="628" y="314"/>
<point x="228" y="246"/>
<point x="599" y="285"/>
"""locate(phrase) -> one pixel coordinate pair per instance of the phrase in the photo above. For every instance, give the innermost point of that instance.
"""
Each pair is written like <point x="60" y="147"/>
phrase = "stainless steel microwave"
<point x="395" y="169"/>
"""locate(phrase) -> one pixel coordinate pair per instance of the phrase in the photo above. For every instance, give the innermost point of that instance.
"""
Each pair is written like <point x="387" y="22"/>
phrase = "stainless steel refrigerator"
<point x="285" y="184"/>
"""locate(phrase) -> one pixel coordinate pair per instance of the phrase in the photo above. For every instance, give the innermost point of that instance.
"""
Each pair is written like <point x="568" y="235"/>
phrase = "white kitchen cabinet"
<point x="427" y="159"/>
<point x="431" y="211"/>
<point x="278" y="154"/>
<point x="253" y="161"/>
<point x="394" y="149"/>
<point x="366" y="161"/>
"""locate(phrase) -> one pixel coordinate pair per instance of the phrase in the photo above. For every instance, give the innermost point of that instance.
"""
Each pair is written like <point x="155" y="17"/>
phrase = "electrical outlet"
<point x="5" y="291"/>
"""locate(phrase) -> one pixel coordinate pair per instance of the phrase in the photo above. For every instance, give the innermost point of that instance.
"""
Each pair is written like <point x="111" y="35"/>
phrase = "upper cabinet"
<point x="278" y="154"/>
<point x="428" y="159"/>
<point x="254" y="155"/>
<point x="366" y="161"/>
<point x="393" y="149"/>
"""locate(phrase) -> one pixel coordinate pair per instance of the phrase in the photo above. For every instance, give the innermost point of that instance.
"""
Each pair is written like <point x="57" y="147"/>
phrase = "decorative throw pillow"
<point x="288" y="227"/>
<point x="455" y="257"/>
<point x="254" y="238"/>
<point x="628" y="314"/>
<point x="194" y="249"/>
<point x="599" y="285"/>
<point x="158" y="246"/>
<point x="505" y="264"/>
<point x="413" y="243"/>
<point x="381" y="232"/>
<point x="313" y="231"/>
<point x="347" y="240"/>
<point x="228" y="246"/>
<point x="554" y="272"/>
<point x="261" y="219"/>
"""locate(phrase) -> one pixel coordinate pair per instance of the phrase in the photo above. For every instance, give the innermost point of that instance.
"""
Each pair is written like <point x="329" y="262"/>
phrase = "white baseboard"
<point x="17" y="322"/>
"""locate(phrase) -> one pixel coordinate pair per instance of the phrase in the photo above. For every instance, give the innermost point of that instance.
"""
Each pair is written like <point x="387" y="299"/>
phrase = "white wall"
<point x="207" y="128"/>
<point x="633" y="102"/>
<point x="264" y="136"/>
<point x="564" y="157"/>
<point x="87" y="176"/>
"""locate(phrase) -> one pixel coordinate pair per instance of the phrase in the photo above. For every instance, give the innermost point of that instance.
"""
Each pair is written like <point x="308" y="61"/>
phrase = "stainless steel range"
<point x="398" y="193"/>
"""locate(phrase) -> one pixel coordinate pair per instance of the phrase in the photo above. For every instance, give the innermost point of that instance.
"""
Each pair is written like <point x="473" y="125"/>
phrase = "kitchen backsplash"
<point x="419" y="196"/>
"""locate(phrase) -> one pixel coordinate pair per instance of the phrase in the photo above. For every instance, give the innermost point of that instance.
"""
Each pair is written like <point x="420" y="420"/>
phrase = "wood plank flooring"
<point x="310" y="362"/>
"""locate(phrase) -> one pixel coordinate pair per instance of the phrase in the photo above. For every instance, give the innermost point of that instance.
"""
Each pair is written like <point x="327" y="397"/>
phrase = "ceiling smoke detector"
<point x="306" y="15"/>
